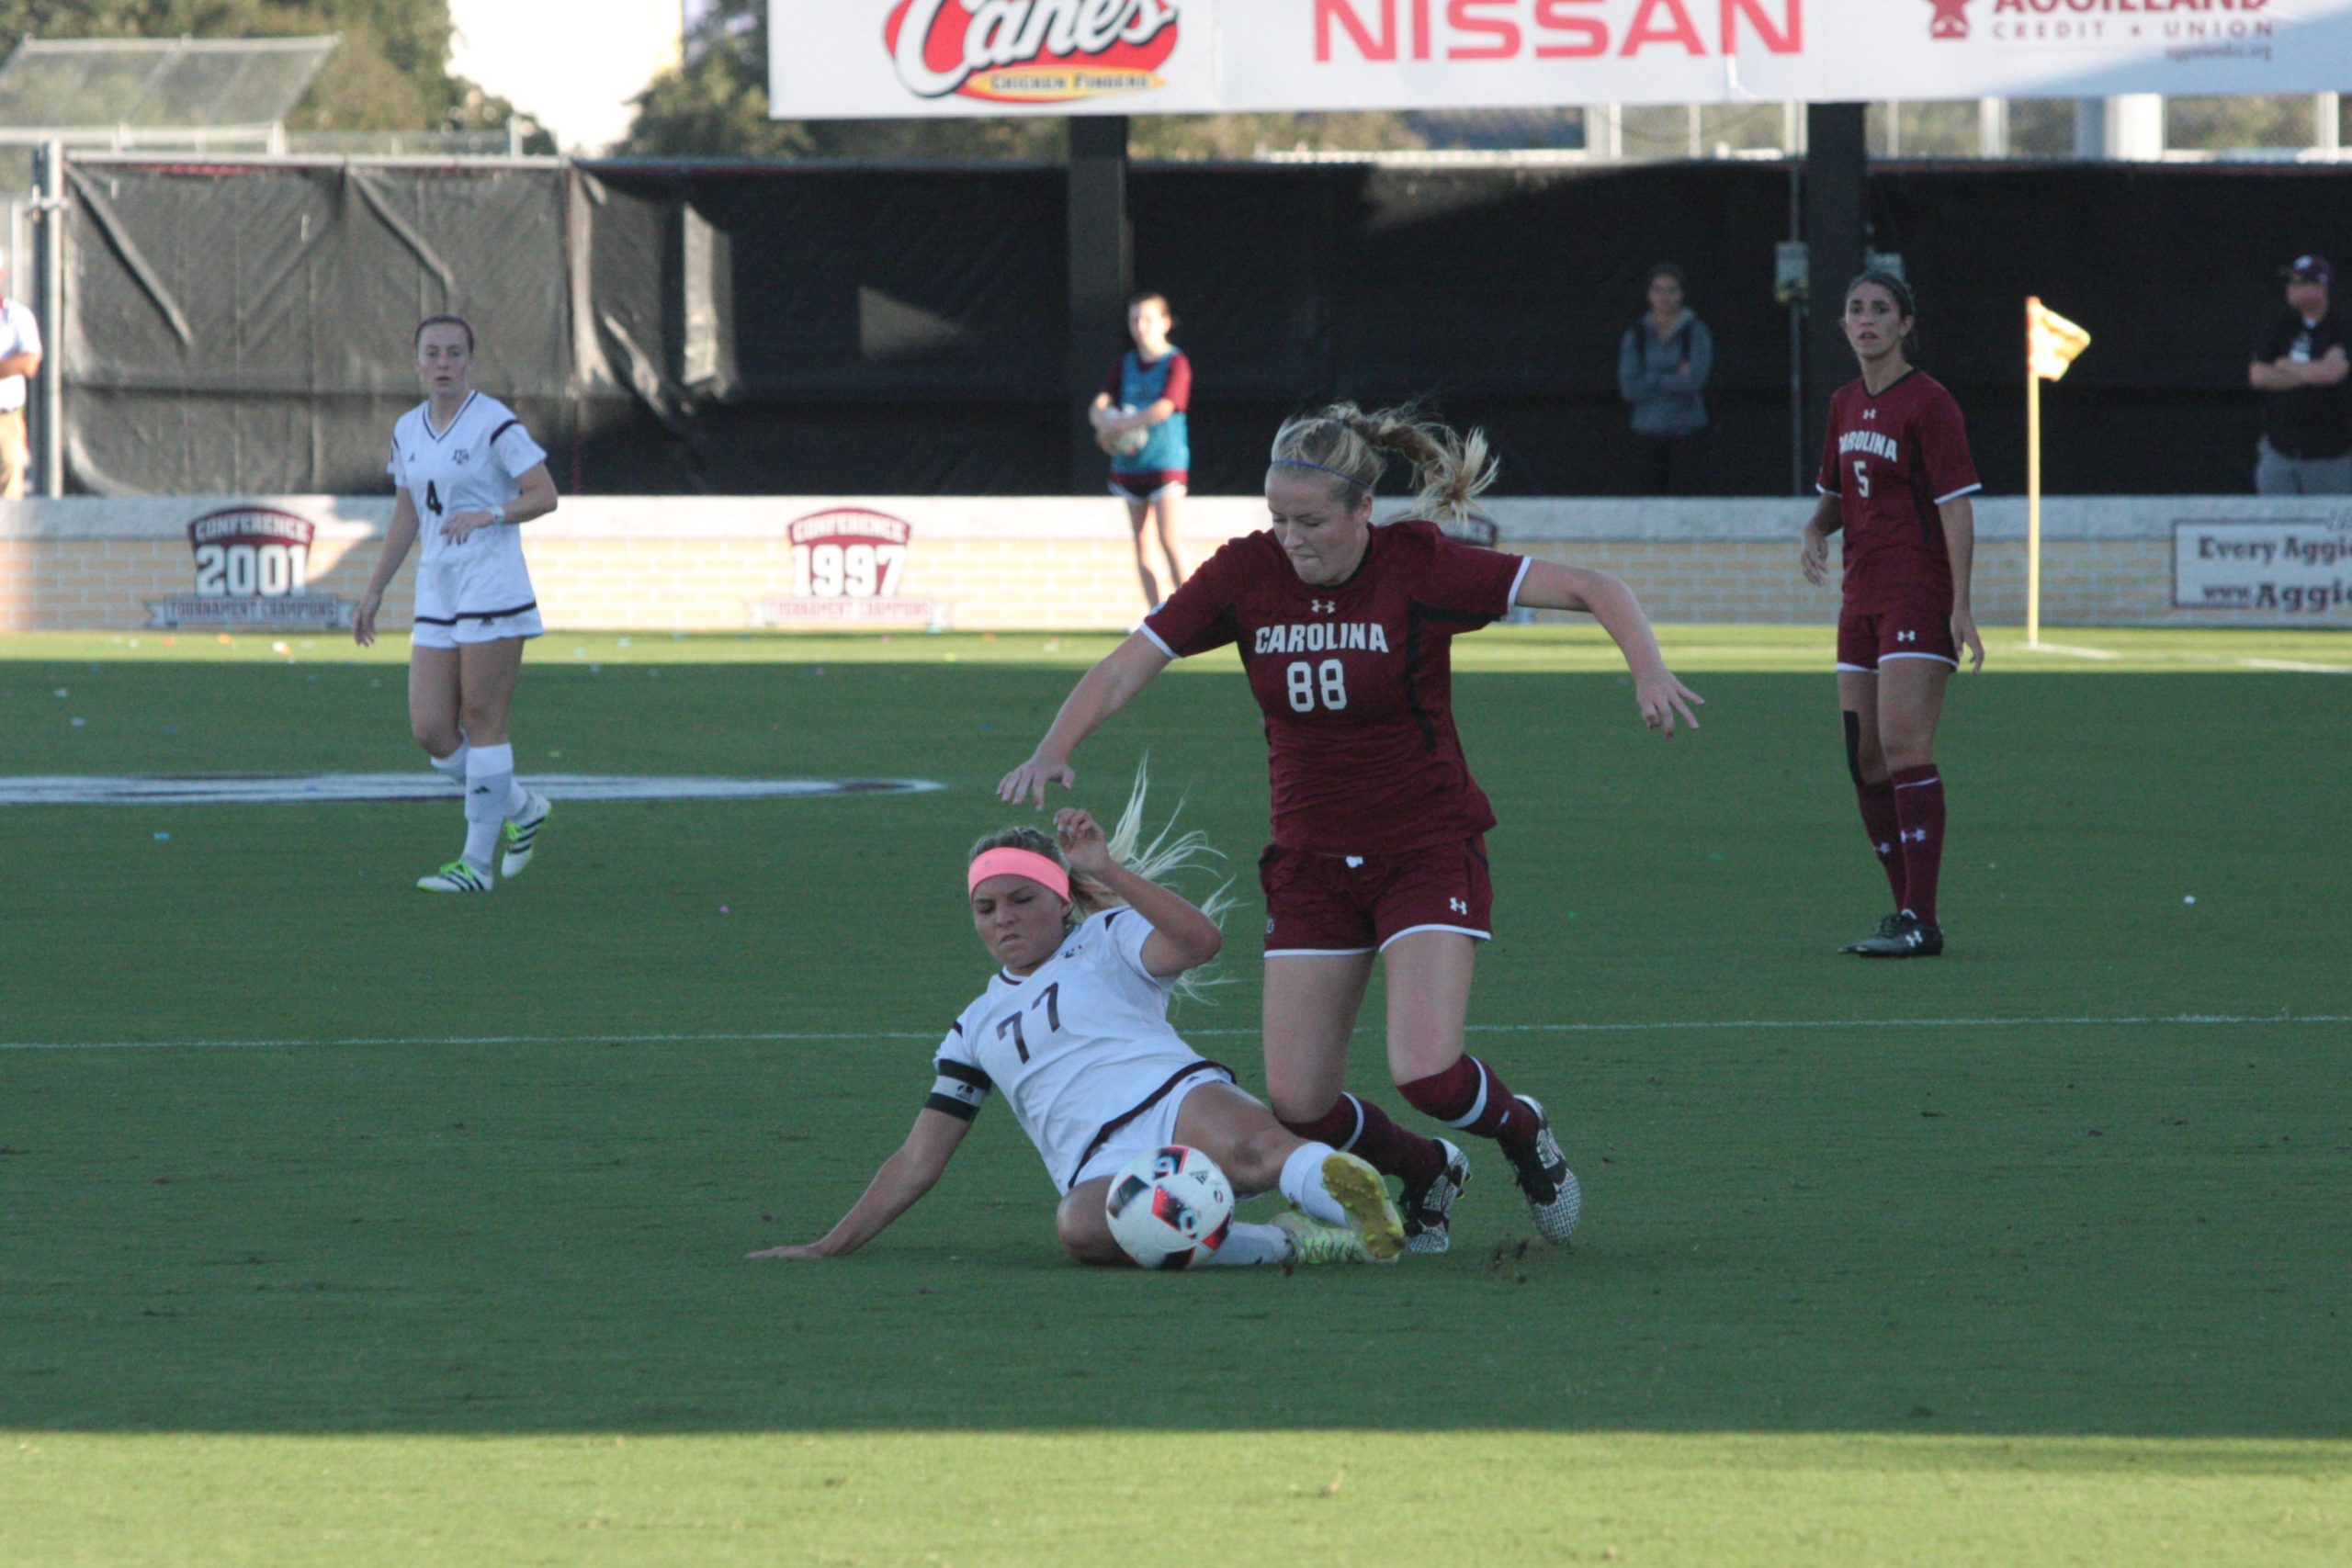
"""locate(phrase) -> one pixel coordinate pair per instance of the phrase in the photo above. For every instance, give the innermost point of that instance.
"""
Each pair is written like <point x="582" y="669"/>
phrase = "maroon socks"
<point x="1361" y="1128"/>
<point x="1469" y="1095"/>
<point x="1879" y="818"/>
<point x="1920" y="819"/>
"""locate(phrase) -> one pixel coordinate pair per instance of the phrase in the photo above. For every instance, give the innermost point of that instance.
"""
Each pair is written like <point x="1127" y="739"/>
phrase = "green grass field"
<point x="340" y="1224"/>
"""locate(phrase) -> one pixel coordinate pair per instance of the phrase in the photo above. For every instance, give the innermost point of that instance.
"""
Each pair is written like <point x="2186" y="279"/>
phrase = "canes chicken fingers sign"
<point x="832" y="58"/>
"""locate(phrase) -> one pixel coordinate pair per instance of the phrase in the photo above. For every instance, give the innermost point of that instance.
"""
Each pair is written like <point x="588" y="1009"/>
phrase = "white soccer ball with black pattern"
<point x="1170" y="1206"/>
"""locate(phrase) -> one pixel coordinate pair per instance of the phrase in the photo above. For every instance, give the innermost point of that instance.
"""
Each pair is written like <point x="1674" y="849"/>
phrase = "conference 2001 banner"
<point x="899" y="58"/>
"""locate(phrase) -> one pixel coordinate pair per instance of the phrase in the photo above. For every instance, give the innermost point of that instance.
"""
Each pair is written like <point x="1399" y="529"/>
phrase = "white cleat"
<point x="458" y="876"/>
<point x="520" y="835"/>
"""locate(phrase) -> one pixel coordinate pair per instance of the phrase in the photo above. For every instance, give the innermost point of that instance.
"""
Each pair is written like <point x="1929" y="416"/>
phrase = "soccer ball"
<point x="1169" y="1207"/>
<point x="1131" y="442"/>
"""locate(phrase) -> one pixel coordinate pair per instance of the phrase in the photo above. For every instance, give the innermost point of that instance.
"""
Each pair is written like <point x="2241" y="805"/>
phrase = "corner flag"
<point x="2052" y="340"/>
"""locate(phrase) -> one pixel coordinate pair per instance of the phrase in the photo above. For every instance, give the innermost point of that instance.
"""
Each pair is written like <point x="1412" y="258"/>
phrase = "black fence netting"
<point x="665" y="328"/>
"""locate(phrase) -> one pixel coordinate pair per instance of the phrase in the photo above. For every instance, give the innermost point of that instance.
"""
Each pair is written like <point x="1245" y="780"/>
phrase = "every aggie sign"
<point x="2297" y="572"/>
<point x="858" y="59"/>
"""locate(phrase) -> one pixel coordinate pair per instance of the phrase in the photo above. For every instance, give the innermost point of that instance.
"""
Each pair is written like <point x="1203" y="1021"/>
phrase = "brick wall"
<point x="709" y="564"/>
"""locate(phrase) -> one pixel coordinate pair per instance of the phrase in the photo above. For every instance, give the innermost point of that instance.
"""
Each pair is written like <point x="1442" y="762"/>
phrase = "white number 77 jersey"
<point x="1077" y="1046"/>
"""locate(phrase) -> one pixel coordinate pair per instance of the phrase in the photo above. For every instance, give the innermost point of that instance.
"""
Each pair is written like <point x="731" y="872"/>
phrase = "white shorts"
<point x="475" y="628"/>
<point x="1153" y="1128"/>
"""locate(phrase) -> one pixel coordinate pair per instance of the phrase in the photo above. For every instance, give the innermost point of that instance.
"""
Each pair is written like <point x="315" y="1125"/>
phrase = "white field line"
<point x="2193" y="1020"/>
<point x="2071" y="652"/>
<point x="2293" y="666"/>
<point x="2297" y="666"/>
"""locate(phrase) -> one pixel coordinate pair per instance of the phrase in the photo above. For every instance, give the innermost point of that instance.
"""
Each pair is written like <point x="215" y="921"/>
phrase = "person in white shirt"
<point x="19" y="362"/>
<point x="467" y="475"/>
<point x="1073" y="1030"/>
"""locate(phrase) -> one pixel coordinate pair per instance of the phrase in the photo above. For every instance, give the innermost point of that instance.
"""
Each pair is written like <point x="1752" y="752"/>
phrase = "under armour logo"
<point x="1914" y="836"/>
<point x="1324" y="606"/>
<point x="463" y="455"/>
<point x="1885" y="848"/>
<point x="1907" y="637"/>
<point x="1457" y="906"/>
<point x="1869" y="414"/>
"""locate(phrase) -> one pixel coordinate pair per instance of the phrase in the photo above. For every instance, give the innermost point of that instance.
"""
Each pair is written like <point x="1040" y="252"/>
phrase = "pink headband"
<point x="1037" y="868"/>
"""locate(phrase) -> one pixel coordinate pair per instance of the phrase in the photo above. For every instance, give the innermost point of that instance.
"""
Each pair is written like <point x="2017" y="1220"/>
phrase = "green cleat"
<point x="1371" y="1215"/>
<point x="1313" y="1242"/>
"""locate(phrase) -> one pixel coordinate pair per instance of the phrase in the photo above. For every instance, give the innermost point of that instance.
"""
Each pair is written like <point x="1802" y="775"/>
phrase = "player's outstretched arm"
<point x="1182" y="937"/>
<point x="1551" y="586"/>
<point x="904" y="1177"/>
<point x="1100" y="692"/>
<point x="397" y="539"/>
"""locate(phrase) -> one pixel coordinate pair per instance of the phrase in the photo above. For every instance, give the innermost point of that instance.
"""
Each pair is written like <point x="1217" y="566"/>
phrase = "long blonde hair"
<point x="1451" y="468"/>
<point x="1168" y="851"/>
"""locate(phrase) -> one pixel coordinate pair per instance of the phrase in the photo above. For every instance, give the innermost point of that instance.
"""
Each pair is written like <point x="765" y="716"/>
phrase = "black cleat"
<point x="1902" y="936"/>
<point x="1887" y="926"/>
<point x="1553" y="1197"/>
<point x="1427" y="1208"/>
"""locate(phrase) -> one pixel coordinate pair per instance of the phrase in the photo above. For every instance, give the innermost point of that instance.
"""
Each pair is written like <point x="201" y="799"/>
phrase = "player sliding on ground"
<point x="1074" y="1030"/>
<point x="1345" y="631"/>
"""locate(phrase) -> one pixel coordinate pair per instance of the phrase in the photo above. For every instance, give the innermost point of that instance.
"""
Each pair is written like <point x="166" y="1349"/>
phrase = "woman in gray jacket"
<point x="1662" y="369"/>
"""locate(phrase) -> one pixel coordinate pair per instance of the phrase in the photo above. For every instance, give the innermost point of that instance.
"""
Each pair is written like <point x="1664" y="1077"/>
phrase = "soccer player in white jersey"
<point x="1073" y="1030"/>
<point x="467" y="475"/>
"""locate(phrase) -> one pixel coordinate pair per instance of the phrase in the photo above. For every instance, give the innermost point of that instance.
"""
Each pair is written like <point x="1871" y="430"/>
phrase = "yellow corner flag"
<point x="2052" y="340"/>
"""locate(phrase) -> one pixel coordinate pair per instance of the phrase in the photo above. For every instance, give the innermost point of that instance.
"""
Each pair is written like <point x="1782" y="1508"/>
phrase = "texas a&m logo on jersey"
<point x="847" y="565"/>
<point x="1950" y="21"/>
<point x="1031" y="51"/>
<point x="253" y="568"/>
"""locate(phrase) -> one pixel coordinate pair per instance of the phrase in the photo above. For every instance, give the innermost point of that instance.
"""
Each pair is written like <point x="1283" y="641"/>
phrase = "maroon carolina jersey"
<point x="1355" y="679"/>
<point x="1891" y="460"/>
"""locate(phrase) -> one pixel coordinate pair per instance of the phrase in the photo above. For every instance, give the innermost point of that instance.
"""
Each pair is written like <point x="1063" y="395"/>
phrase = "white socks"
<point x="1247" y="1245"/>
<point x="453" y="766"/>
<point x="492" y="796"/>
<point x="1302" y="1183"/>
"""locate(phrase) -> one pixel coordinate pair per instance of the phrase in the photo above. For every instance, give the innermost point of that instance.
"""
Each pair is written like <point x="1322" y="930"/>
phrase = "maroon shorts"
<point x="1146" y="484"/>
<point x="1906" y="623"/>
<point x="1329" y="904"/>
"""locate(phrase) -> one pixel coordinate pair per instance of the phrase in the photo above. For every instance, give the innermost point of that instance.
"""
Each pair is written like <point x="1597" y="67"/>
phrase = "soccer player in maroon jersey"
<point x="1345" y="632"/>
<point x="1896" y="476"/>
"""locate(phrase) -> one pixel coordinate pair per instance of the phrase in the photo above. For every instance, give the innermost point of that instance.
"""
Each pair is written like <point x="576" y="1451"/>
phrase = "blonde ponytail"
<point x="1450" y="468"/>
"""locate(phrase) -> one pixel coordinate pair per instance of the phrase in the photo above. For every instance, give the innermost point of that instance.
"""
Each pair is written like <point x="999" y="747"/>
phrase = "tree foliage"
<point x="390" y="72"/>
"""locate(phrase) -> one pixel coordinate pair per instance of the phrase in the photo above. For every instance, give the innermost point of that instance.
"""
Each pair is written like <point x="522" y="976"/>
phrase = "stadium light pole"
<point x="1837" y="174"/>
<point x="1101" y="274"/>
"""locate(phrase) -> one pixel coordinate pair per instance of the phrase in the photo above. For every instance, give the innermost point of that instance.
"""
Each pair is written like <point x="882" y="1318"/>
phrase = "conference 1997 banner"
<point x="904" y="58"/>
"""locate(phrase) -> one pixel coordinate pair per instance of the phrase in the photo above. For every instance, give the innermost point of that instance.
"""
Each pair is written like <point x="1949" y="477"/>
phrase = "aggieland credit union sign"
<point x="2300" y="572"/>
<point x="897" y="58"/>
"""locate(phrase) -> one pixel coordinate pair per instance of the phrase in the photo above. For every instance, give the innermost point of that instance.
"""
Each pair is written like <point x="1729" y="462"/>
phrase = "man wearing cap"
<point x="2301" y="365"/>
<point x="19" y="359"/>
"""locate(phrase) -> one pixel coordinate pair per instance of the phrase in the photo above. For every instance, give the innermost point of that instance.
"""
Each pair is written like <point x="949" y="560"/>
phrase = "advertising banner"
<point x="2291" y="572"/>
<point x="831" y="59"/>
